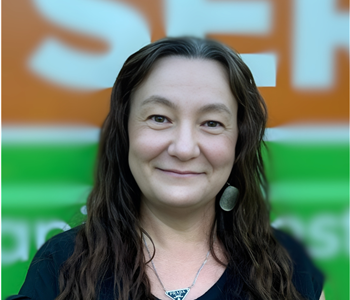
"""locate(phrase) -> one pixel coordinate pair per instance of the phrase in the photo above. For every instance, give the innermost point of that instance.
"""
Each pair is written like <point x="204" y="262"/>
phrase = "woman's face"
<point x="183" y="132"/>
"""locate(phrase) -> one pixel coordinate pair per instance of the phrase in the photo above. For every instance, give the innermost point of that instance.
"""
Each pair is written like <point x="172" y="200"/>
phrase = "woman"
<point x="178" y="208"/>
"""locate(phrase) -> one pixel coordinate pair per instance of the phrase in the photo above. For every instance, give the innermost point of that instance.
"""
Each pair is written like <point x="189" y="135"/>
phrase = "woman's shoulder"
<point x="295" y="249"/>
<point x="63" y="239"/>
<point x="60" y="247"/>
<point x="41" y="282"/>
<point x="307" y="278"/>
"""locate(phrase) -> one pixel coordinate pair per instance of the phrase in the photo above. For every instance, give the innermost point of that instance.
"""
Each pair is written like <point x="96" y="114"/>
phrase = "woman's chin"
<point x="179" y="201"/>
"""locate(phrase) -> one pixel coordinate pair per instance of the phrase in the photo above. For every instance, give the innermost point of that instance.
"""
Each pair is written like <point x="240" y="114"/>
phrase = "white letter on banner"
<point x="318" y="31"/>
<point x="325" y="240"/>
<point x="120" y="25"/>
<point x="18" y="230"/>
<point x="200" y="17"/>
<point x="345" y="225"/>
<point x="43" y="228"/>
<point x="263" y="67"/>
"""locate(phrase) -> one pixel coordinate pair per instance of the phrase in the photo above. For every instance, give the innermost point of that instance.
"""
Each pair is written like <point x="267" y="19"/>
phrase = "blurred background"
<point x="59" y="62"/>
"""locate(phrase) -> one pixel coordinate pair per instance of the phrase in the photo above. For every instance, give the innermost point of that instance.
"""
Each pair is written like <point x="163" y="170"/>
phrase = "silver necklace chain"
<point x="155" y="271"/>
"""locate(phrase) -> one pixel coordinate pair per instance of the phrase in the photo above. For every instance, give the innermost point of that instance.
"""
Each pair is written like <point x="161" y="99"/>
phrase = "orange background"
<point x="28" y="99"/>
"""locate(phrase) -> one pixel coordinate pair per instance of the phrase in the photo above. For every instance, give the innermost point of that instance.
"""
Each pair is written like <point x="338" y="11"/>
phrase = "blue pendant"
<point x="177" y="294"/>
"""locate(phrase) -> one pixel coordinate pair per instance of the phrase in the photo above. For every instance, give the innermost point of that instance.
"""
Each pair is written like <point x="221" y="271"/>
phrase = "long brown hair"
<point x="109" y="245"/>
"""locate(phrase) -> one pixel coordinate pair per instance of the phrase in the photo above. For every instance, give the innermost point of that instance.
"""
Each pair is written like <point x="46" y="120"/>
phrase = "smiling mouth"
<point x="180" y="173"/>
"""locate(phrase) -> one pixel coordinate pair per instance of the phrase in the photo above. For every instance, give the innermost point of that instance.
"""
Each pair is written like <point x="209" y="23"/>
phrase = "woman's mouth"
<point x="180" y="173"/>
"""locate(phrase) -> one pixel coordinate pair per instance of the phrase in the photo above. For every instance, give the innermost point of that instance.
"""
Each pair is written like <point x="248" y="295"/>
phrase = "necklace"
<point x="179" y="294"/>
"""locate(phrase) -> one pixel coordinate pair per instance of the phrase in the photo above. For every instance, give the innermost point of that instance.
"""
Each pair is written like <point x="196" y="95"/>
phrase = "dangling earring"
<point x="229" y="198"/>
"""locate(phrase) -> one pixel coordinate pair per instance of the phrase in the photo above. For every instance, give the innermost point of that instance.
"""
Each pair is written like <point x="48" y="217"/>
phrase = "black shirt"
<point x="41" y="282"/>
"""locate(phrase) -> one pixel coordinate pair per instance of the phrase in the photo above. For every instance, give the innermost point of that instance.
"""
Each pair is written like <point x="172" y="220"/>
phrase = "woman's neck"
<point x="181" y="241"/>
<point x="186" y="227"/>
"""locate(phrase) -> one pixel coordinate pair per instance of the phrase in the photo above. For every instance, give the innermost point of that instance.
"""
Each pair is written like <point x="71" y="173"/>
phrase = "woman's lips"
<point x="180" y="173"/>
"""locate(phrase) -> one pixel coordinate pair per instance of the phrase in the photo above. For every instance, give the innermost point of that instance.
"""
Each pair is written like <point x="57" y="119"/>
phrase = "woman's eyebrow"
<point x="217" y="107"/>
<point x="159" y="100"/>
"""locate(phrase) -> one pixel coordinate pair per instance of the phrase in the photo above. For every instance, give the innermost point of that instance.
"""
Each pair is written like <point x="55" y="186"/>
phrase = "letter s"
<point x="124" y="29"/>
<point x="325" y="240"/>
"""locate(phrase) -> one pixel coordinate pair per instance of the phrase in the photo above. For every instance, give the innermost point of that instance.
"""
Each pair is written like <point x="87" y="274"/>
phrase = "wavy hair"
<point x="108" y="245"/>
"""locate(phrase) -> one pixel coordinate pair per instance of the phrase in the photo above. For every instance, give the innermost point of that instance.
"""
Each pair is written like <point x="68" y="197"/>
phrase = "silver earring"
<point x="229" y="198"/>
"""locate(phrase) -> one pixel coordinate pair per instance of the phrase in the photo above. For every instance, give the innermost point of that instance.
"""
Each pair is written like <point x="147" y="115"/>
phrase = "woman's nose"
<point x="184" y="143"/>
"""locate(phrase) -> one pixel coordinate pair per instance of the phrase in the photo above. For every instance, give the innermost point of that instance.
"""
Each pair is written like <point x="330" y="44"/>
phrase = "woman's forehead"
<point x="178" y="66"/>
<point x="177" y="77"/>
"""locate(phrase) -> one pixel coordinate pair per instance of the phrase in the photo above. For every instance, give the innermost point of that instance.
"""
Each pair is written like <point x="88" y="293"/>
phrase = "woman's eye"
<point x="159" y="119"/>
<point x="212" y="124"/>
